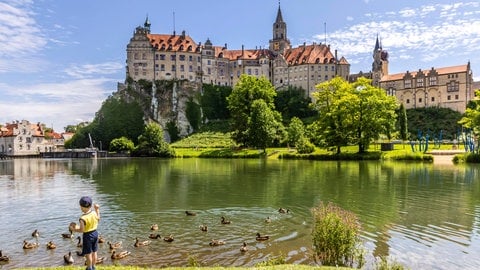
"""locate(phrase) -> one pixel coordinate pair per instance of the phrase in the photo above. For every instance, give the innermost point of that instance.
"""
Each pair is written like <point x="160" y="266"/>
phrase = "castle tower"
<point x="380" y="63"/>
<point x="279" y="43"/>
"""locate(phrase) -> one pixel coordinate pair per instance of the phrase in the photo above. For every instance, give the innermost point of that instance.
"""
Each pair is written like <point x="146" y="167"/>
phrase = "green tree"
<point x="261" y="125"/>
<point x="403" y="122"/>
<point x="122" y="144"/>
<point x="247" y="90"/>
<point x="293" y="102"/>
<point x="374" y="114"/>
<point x="116" y="118"/>
<point x="193" y="114"/>
<point x="334" y="127"/>
<point x="352" y="113"/>
<point x="471" y="117"/>
<point x="296" y="131"/>
<point x="151" y="143"/>
<point x="214" y="101"/>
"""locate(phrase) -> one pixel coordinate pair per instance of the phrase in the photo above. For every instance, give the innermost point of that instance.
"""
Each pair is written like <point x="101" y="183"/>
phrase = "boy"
<point x="88" y="226"/>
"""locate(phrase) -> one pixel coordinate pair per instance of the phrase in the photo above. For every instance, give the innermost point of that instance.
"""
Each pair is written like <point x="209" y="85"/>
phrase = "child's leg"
<point x="89" y="260"/>
<point x="94" y="258"/>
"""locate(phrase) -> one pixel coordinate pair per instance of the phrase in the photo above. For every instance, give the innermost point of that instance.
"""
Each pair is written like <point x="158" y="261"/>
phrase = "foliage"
<point x="335" y="235"/>
<point x="402" y="122"/>
<point x="279" y="260"/>
<point x="214" y="101"/>
<point x="293" y="102"/>
<point x="471" y="118"/>
<point x="304" y="146"/>
<point x="222" y="126"/>
<point x="410" y="156"/>
<point x="122" y="144"/>
<point x="466" y="158"/>
<point x="152" y="144"/>
<point x="383" y="263"/>
<point x="194" y="114"/>
<point x="247" y="90"/>
<point x="330" y="156"/>
<point x="116" y="118"/>
<point x="173" y="131"/>
<point x="262" y="124"/>
<point x="206" y="140"/>
<point x="432" y="120"/>
<point x="352" y="113"/>
<point x="295" y="131"/>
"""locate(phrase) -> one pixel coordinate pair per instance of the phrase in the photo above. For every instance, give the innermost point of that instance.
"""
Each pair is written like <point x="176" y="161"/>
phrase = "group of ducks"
<point x="113" y="246"/>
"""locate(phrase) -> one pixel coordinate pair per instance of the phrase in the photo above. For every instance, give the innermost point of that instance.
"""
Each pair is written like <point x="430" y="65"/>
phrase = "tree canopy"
<point x="246" y="91"/>
<point x="152" y="143"/>
<point x="352" y="113"/>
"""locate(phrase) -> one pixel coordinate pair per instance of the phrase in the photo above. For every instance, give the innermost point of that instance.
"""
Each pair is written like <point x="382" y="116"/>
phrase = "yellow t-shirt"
<point x="91" y="221"/>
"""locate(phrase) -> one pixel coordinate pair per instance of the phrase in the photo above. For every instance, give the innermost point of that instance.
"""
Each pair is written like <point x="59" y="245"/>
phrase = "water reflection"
<point x="425" y="216"/>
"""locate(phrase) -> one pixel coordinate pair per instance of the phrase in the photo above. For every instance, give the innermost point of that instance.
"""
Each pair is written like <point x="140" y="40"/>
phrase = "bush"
<point x="335" y="236"/>
<point x="304" y="146"/>
<point x="383" y="263"/>
<point x="122" y="144"/>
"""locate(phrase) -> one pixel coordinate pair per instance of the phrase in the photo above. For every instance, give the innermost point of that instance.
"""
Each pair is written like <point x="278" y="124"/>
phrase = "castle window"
<point x="173" y="57"/>
<point x="174" y="68"/>
<point x="249" y="71"/>
<point x="420" y="82"/>
<point x="407" y="101"/>
<point x="170" y="47"/>
<point x="190" y="68"/>
<point x="135" y="56"/>
<point x="182" y="68"/>
<point x="144" y="56"/>
<point x="456" y="97"/>
<point x="449" y="97"/>
<point x="190" y="58"/>
<point x="181" y="48"/>
<point x="407" y="83"/>
<point x="182" y="57"/>
<point x="453" y="86"/>
<point x="333" y="68"/>
<point x="433" y="99"/>
<point x="209" y="62"/>
<point x="198" y="58"/>
<point x="162" y="67"/>
<point x="189" y="48"/>
<point x="326" y="68"/>
<point x="420" y="100"/>
<point x="162" y="56"/>
<point x="326" y="77"/>
<point x="256" y="71"/>
<point x="209" y="71"/>
<point x="433" y="80"/>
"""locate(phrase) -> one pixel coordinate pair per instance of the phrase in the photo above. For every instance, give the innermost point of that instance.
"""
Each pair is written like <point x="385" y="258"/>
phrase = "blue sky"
<point x="60" y="59"/>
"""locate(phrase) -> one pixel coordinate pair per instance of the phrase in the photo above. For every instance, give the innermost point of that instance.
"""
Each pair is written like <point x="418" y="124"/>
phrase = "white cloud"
<point x="349" y="18"/>
<point x="54" y="103"/>
<point x="93" y="70"/>
<point x="416" y="37"/>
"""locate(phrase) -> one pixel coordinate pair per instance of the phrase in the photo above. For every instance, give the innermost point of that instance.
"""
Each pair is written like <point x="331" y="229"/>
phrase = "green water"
<point x="423" y="215"/>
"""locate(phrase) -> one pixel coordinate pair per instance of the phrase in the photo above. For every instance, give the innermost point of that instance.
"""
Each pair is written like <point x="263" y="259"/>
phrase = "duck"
<point x="68" y="258"/>
<point x="4" y="258"/>
<point x="139" y="243"/>
<point x="262" y="237"/>
<point x="244" y="247"/>
<point x="35" y="233"/>
<point x="114" y="245"/>
<point x="168" y="238"/>
<point x="154" y="227"/>
<point x="101" y="239"/>
<point x="79" y="243"/>
<point x="67" y="235"/>
<point x="154" y="236"/>
<point x="215" y="242"/>
<point x="224" y="221"/>
<point x="268" y="220"/>
<point x="283" y="210"/>
<point x="190" y="213"/>
<point x="51" y="245"/>
<point x="29" y="245"/>
<point x="204" y="228"/>
<point x="119" y="255"/>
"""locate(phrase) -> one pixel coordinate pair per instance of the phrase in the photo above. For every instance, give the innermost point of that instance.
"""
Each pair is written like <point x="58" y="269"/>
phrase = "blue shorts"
<point x="90" y="242"/>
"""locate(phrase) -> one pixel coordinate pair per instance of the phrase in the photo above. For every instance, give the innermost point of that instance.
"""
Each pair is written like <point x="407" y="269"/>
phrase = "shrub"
<point x="122" y="144"/>
<point x="304" y="146"/>
<point x="335" y="236"/>
<point x="382" y="263"/>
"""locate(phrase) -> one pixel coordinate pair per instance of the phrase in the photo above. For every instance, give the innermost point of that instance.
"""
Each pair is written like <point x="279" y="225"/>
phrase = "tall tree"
<point x="296" y="131"/>
<point x="247" y="90"/>
<point x="471" y="118"/>
<point x="293" y="102"/>
<point x="214" y="101"/>
<point x="352" y="113"/>
<point x="403" y="122"/>
<point x="262" y="125"/>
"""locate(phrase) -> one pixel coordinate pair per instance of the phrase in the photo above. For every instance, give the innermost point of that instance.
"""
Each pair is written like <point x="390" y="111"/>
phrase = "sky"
<point x="60" y="59"/>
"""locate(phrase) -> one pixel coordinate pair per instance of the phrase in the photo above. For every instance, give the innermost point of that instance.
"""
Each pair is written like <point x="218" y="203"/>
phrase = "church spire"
<point x="377" y="44"/>
<point x="279" y="14"/>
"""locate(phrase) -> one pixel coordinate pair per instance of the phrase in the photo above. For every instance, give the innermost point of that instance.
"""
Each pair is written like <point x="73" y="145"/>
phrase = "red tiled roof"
<point x="440" y="71"/>
<point x="172" y="42"/>
<point x="309" y="54"/>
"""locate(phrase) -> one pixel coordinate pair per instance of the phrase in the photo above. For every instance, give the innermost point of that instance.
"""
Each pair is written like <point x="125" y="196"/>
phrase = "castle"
<point x="171" y="56"/>
<point x="446" y="87"/>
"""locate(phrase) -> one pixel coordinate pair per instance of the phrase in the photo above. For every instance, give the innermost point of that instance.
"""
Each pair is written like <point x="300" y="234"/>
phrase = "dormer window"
<point x="407" y="83"/>
<point x="432" y="80"/>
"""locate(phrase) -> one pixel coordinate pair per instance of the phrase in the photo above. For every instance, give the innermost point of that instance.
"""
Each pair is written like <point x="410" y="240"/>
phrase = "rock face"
<point x="163" y="102"/>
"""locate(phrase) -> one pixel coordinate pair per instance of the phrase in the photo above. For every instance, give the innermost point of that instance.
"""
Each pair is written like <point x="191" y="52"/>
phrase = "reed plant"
<point x="335" y="234"/>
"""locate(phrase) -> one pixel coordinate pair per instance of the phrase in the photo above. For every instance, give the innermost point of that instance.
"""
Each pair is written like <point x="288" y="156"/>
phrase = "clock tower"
<point x="380" y="63"/>
<point x="279" y="43"/>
